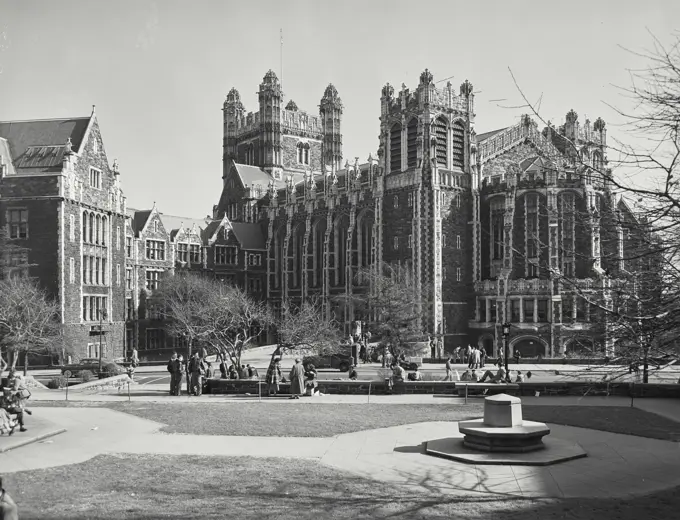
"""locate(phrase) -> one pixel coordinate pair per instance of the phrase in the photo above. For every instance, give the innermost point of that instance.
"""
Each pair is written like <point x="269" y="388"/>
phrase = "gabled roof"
<point x="250" y="175"/>
<point x="138" y="219"/>
<point x="487" y="135"/>
<point x="175" y="223"/>
<point x="39" y="145"/>
<point x="210" y="230"/>
<point x="249" y="235"/>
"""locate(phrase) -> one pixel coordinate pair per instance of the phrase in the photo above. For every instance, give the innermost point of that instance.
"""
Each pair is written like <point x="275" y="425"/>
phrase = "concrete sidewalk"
<point x="616" y="466"/>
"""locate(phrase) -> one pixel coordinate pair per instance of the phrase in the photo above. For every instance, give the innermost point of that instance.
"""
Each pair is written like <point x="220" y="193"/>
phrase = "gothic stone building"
<point x="61" y="202"/>
<point x="490" y="224"/>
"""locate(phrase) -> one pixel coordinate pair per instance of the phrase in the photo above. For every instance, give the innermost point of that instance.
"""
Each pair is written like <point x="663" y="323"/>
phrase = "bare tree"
<point x="392" y="300"/>
<point x="232" y="320"/>
<point x="28" y="320"/>
<point x="305" y="326"/>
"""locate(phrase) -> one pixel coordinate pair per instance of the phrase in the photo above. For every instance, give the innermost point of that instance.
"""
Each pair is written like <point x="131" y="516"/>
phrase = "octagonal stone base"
<point x="557" y="450"/>
<point x="521" y="438"/>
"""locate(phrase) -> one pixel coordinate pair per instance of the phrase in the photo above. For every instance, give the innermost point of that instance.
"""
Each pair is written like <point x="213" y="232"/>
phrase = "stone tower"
<point x="424" y="151"/>
<point x="330" y="111"/>
<point x="233" y="113"/>
<point x="270" y="96"/>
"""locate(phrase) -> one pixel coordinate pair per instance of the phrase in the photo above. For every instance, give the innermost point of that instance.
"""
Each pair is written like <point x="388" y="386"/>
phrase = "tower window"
<point x="396" y="201"/>
<point x="396" y="243"/>
<point x="458" y="144"/>
<point x="411" y="144"/>
<point x="441" y="147"/>
<point x="395" y="148"/>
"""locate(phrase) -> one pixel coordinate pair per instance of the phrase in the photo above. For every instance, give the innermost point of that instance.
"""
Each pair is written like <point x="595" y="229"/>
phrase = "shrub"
<point x="86" y="376"/>
<point x="57" y="382"/>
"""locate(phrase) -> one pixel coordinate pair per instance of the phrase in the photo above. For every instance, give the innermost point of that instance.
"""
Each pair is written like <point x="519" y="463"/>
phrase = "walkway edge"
<point x="32" y="440"/>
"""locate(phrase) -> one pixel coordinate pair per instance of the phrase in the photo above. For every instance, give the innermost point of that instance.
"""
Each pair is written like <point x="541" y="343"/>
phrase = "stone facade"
<point x="70" y="198"/>
<point x="489" y="225"/>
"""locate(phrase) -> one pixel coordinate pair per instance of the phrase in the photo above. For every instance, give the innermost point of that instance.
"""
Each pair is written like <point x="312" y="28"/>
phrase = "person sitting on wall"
<point x="311" y="383"/>
<point x="499" y="377"/>
<point x="520" y="377"/>
<point x="353" y="373"/>
<point x="467" y="376"/>
<point x="415" y="375"/>
<point x="252" y="372"/>
<point x="474" y="376"/>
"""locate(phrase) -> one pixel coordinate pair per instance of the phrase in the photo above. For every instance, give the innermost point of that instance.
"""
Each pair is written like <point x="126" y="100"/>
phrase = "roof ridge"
<point x="47" y="119"/>
<point x="180" y="216"/>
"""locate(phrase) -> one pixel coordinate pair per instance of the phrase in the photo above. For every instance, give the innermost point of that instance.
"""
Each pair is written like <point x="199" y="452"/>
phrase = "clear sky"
<point x="158" y="72"/>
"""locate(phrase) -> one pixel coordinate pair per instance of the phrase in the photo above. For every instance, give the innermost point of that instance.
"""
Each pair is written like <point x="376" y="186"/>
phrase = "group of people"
<point x="193" y="372"/>
<point x="475" y="357"/>
<point x="303" y="379"/>
<point x="13" y="404"/>
<point x="235" y="372"/>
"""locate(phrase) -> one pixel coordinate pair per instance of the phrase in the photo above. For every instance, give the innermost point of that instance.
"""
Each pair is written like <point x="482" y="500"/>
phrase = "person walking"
<point x="273" y="377"/>
<point x="197" y="371"/>
<point x="8" y="508"/>
<point x="468" y="356"/>
<point x="297" y="379"/>
<point x="456" y="353"/>
<point x="482" y="357"/>
<point x="477" y="355"/>
<point x="449" y="370"/>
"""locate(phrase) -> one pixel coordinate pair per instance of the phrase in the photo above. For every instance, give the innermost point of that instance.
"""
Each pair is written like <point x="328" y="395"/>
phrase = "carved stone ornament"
<point x="426" y="77"/>
<point x="388" y="91"/>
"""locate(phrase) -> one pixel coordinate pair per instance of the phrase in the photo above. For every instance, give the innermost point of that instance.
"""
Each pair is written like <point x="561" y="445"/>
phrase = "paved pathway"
<point x="617" y="465"/>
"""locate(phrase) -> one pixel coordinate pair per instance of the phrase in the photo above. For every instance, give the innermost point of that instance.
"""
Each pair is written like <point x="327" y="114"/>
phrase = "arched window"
<point x="411" y="143"/>
<point x="440" y="128"/>
<point x="395" y="148"/>
<point x="91" y="230"/>
<point x="98" y="235"/>
<point x="458" y="145"/>
<point x="305" y="155"/>
<point x="104" y="231"/>
<point x="85" y="222"/>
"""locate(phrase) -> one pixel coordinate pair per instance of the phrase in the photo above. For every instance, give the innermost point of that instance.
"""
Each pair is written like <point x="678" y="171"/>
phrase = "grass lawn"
<point x="324" y="420"/>
<point x="146" y="487"/>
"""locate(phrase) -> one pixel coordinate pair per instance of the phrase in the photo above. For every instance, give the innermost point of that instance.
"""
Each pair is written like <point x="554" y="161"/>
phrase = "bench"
<point x="463" y="388"/>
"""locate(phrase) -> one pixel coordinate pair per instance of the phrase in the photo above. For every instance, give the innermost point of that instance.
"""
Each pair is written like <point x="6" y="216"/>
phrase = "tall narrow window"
<point x="396" y="201"/>
<point x="395" y="148"/>
<point x="457" y="241"/>
<point x="71" y="227"/>
<point x="91" y="229"/>
<point x="497" y="209"/>
<point x="71" y="270"/>
<point x="458" y="274"/>
<point x="85" y="222"/>
<point x="442" y="141"/>
<point x="458" y="145"/>
<point x="412" y="144"/>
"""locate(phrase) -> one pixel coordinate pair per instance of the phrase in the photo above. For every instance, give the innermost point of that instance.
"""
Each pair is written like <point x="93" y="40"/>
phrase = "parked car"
<point x="109" y="368"/>
<point x="340" y="361"/>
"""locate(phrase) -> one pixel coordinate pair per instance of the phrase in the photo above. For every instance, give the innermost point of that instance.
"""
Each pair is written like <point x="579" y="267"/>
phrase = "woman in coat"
<point x="297" y="379"/>
<point x="273" y="377"/>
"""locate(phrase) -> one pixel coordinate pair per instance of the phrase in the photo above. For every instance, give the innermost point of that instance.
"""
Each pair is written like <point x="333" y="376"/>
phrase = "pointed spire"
<point x="93" y="111"/>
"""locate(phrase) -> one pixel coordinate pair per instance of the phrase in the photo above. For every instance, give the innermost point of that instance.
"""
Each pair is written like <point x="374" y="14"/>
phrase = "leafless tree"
<point x="304" y="326"/>
<point x="28" y="320"/>
<point x="392" y="299"/>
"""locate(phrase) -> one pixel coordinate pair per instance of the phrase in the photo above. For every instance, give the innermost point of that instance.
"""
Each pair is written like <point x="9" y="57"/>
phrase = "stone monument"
<point x="504" y="437"/>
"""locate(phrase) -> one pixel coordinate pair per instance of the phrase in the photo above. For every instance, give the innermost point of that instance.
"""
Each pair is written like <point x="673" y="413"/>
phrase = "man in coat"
<point x="178" y="368"/>
<point x="197" y="371"/>
<point x="173" y="377"/>
<point x="297" y="379"/>
<point x="273" y="376"/>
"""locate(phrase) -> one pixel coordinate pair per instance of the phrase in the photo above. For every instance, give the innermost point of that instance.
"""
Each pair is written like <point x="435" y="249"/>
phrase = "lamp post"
<point x="102" y="315"/>
<point x="506" y="345"/>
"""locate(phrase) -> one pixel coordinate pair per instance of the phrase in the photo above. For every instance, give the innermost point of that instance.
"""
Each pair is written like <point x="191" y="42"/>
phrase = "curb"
<point x="31" y="440"/>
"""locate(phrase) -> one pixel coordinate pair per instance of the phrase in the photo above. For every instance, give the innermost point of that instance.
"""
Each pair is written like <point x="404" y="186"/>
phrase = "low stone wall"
<point x="108" y="383"/>
<point x="345" y="386"/>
